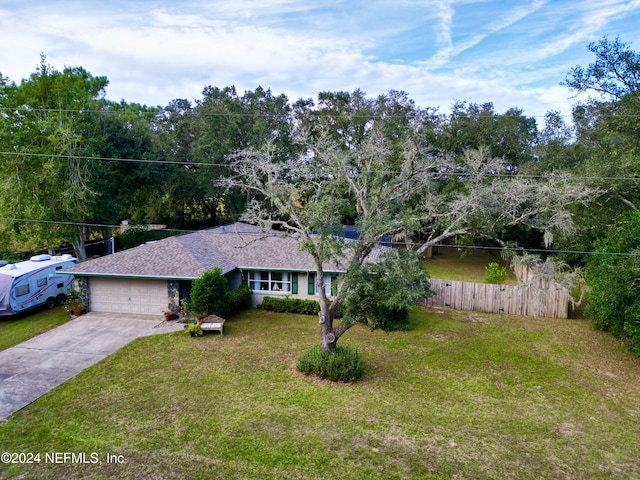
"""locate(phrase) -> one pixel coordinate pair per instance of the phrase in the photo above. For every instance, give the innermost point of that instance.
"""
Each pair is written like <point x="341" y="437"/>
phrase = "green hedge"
<point x="290" y="305"/>
<point x="294" y="305"/>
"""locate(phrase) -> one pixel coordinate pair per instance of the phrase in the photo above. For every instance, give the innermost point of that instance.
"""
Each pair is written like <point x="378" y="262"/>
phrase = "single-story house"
<point x="154" y="277"/>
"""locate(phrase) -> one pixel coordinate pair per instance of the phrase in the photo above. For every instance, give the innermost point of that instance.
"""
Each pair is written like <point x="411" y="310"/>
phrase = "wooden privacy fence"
<point x="551" y="301"/>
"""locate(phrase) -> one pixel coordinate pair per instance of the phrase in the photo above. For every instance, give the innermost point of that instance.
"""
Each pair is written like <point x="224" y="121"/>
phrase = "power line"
<point x="85" y="224"/>
<point x="191" y="163"/>
<point x="152" y="111"/>
<point x="112" y="159"/>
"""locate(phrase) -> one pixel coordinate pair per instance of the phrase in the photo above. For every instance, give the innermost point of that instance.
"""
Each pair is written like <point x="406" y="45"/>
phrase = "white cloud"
<point x="575" y="23"/>
<point x="450" y="49"/>
<point x="172" y="50"/>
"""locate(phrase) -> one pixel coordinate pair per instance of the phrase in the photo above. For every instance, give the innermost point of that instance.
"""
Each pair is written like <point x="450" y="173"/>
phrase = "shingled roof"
<point x="238" y="245"/>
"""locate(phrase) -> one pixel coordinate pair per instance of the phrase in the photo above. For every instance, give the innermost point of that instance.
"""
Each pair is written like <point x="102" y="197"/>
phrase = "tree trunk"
<point x="328" y="339"/>
<point x="79" y="246"/>
<point x="329" y="334"/>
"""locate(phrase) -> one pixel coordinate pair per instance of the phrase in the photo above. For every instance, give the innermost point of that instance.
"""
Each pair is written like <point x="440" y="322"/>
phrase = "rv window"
<point x="42" y="282"/>
<point x="59" y="267"/>
<point x="60" y="285"/>
<point x="22" y="290"/>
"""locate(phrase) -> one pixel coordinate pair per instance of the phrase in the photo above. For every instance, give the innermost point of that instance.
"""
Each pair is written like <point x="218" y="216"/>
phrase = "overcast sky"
<point x="513" y="53"/>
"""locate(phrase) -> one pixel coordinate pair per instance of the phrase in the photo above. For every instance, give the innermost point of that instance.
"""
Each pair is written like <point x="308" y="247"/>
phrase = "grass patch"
<point x="462" y="395"/>
<point x="14" y="330"/>
<point x="451" y="263"/>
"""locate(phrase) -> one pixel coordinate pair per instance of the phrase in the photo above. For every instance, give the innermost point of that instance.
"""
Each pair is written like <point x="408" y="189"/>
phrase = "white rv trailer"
<point x="35" y="282"/>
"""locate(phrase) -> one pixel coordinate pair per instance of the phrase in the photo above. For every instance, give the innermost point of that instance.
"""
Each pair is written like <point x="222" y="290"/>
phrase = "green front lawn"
<point x="14" y="330"/>
<point x="462" y="395"/>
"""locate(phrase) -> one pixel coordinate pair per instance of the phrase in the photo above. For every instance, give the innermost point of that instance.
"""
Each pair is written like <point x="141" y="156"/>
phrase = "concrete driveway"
<point x="32" y="368"/>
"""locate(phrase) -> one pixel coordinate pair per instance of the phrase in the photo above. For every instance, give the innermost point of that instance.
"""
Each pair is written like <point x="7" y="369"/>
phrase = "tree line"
<point x="72" y="157"/>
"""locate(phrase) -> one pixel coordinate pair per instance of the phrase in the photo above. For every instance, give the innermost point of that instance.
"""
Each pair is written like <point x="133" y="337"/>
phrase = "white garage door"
<point x="128" y="295"/>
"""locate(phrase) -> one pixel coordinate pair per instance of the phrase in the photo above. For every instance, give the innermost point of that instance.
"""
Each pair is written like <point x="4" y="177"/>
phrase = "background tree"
<point x="199" y="139"/>
<point x="614" y="300"/>
<point x="470" y="126"/>
<point x="347" y="117"/>
<point x="45" y="135"/>
<point x="123" y="144"/>
<point x="170" y="200"/>
<point x="609" y="143"/>
<point x="614" y="74"/>
<point x="475" y="198"/>
<point x="556" y="147"/>
<point x="606" y="145"/>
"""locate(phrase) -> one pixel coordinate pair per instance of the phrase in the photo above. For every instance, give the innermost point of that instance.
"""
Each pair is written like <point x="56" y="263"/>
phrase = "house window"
<point x="330" y="284"/>
<point x="270" y="281"/>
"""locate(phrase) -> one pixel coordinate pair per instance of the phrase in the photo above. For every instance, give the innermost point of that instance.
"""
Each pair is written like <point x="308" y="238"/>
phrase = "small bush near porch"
<point x="210" y="295"/>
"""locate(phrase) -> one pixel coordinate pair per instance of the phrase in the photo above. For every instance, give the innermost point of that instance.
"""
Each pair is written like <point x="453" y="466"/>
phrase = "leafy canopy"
<point x="614" y="300"/>
<point x="307" y="195"/>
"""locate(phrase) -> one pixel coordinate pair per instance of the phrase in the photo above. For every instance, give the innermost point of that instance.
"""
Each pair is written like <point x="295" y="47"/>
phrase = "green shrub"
<point x="614" y="299"/>
<point x="239" y="299"/>
<point x="193" y="329"/>
<point x="494" y="273"/>
<point x="301" y="306"/>
<point x="291" y="305"/>
<point x="209" y="293"/>
<point x="341" y="365"/>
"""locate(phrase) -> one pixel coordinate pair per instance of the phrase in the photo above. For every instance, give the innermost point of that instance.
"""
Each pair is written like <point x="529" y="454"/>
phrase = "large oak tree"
<point x="305" y="195"/>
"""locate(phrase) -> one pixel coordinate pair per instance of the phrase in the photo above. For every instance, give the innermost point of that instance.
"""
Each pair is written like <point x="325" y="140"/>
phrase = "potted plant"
<point x="169" y="315"/>
<point x="76" y="306"/>
<point x="184" y="311"/>
<point x="193" y="329"/>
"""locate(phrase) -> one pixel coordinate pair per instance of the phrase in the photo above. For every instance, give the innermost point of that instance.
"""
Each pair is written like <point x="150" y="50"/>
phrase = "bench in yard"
<point x="213" y="323"/>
